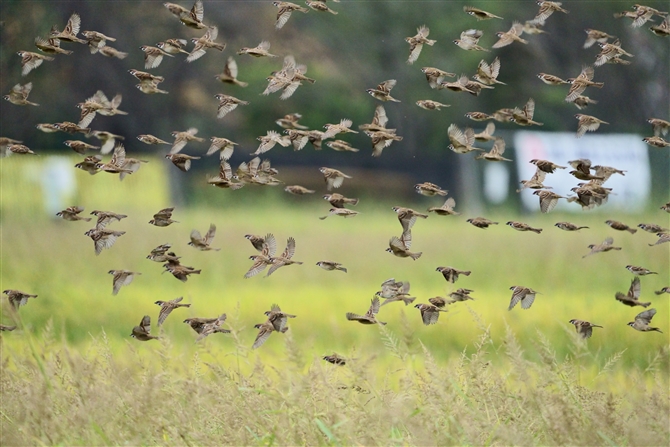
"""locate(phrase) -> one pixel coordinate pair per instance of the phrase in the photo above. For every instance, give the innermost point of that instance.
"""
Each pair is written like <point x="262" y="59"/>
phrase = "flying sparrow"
<point x="429" y="189"/>
<point x="227" y="104"/>
<point x="264" y="332"/>
<point x="469" y="40"/>
<point x="179" y="271"/>
<point x="400" y="248"/>
<point x="460" y="295"/>
<point x="105" y="218"/>
<point x="524" y="294"/>
<point x="285" y="10"/>
<point x="506" y="38"/>
<point x="121" y="278"/>
<point x="434" y="76"/>
<point x="181" y="138"/>
<point x="204" y="42"/>
<point x="141" y="332"/>
<point x="103" y="238"/>
<point x="17" y="298"/>
<point x="72" y="214"/>
<point x="163" y="218"/>
<point x="606" y="245"/>
<point x="258" y="51"/>
<point x="461" y="141"/>
<point x="662" y="291"/>
<point x="520" y="226"/>
<point x="202" y="243"/>
<point x="548" y="200"/>
<point x="656" y="142"/>
<point x="108" y="51"/>
<point x="6" y="151"/>
<point x="30" y="61"/>
<point x="546" y="165"/>
<point x="584" y="328"/>
<point x="583" y="101"/>
<point x="182" y="161"/>
<point x="333" y="177"/>
<point x="652" y="228"/>
<point x="588" y="123"/>
<point x="150" y="139"/>
<point x="488" y="74"/>
<point x="50" y="46"/>
<point x="335" y="359"/>
<point x="71" y="30"/>
<point x="341" y="146"/>
<point x="173" y="46"/>
<point x="381" y="139"/>
<point x="338" y="200"/>
<point x="383" y="91"/>
<point x="268" y="249"/>
<point x="593" y="36"/>
<point x="153" y="56"/>
<point x="447" y="209"/>
<point x="79" y="146"/>
<point x="330" y="265"/>
<point x="229" y="74"/>
<point x="19" y="95"/>
<point x="284" y="258"/>
<point x="632" y="297"/>
<point x="547" y="8"/>
<point x="370" y="315"/>
<point x="320" y="5"/>
<point x="525" y="117"/>
<point x="643" y="320"/>
<point x="298" y="190"/>
<point x="496" y="152"/>
<point x="551" y="79"/>
<point x="659" y="126"/>
<point x="481" y="222"/>
<point x="620" y="226"/>
<point x="567" y="226"/>
<point x="487" y="133"/>
<point x="108" y="140"/>
<point x="277" y="318"/>
<point x="428" y="104"/>
<point x="213" y="327"/>
<point x="416" y="43"/>
<point x="479" y="14"/>
<point x="640" y="271"/>
<point x="451" y="274"/>
<point x="429" y="313"/>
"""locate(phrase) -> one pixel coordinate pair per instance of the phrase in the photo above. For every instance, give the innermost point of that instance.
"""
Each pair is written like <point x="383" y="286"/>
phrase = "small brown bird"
<point x="640" y="271"/>
<point x="6" y="151"/>
<point x="199" y="324"/>
<point x="213" y="327"/>
<point x="4" y="327"/>
<point x="525" y="117"/>
<point x="202" y="243"/>
<point x="50" y="46"/>
<point x="524" y="294"/>
<point x="439" y="301"/>
<point x="264" y="332"/>
<point x="30" y="61"/>
<point x="611" y="53"/>
<point x="451" y="274"/>
<point x="416" y="43"/>
<point x="656" y="142"/>
<point x="182" y="138"/>
<point x="381" y="140"/>
<point x="299" y="138"/>
<point x="662" y="30"/>
<point x="606" y="245"/>
<point x="204" y="42"/>
<point x="290" y="121"/>
<point x="632" y="297"/>
<point x="103" y="238"/>
<point x="182" y="161"/>
<point x="150" y="88"/>
<point x="141" y="332"/>
<point x="227" y="104"/>
<point x="447" y="209"/>
<point x="67" y="126"/>
<point x="320" y="5"/>
<point x="153" y="56"/>
<point x="643" y="320"/>
<point x="121" y="278"/>
<point x="582" y="102"/>
<point x="567" y="226"/>
<point x="652" y="228"/>
<point x="407" y="217"/>
<point x="335" y="359"/>
<point x="19" y="95"/>
<point x="146" y="78"/>
<point x="89" y="164"/>
<point x="50" y="128"/>
<point x="72" y="214"/>
<point x="333" y="177"/>
<point x="461" y="141"/>
<point x="192" y="18"/>
<point x="383" y="91"/>
<point x="259" y="242"/>
<point x="488" y="74"/>
<point x="579" y="84"/>
<point x="258" y="51"/>
<point x="551" y="79"/>
<point x="79" y="147"/>
<point x="428" y="104"/>
<point x="268" y="249"/>
<point x="105" y="218"/>
<point x="469" y="40"/>
<point x="108" y="140"/>
<point x="593" y="36"/>
<point x="167" y="307"/>
<point x="285" y="10"/>
<point x="341" y="146"/>
<point x="163" y="218"/>
<point x="503" y="115"/>
<point x="546" y="165"/>
<point x="96" y="40"/>
<point x="460" y="295"/>
<point x="70" y="32"/>
<point x="496" y="152"/>
<point x="659" y="126"/>
<point x="108" y="51"/>
<point x="620" y="226"/>
<point x="487" y="133"/>
<point x="584" y="328"/>
<point x="269" y="140"/>
<point x="520" y="226"/>
<point x="662" y="291"/>
<point x="330" y="266"/>
<point x="150" y="139"/>
<point x="229" y="74"/>
<point x="662" y="239"/>
<point x="278" y="319"/>
<point x="462" y="84"/>
<point x="547" y="8"/>
<point x="430" y="189"/>
<point x="17" y="298"/>
<point x="343" y="212"/>
<point x="666" y="207"/>
<point x="481" y="222"/>
<point x="163" y="257"/>
<point x="429" y="313"/>
<point x="391" y="288"/>
<point x="548" y="200"/>
<point x="283" y="259"/>
<point x="179" y="271"/>
<point x="370" y="315"/>
<point x="478" y="116"/>
<point x="400" y="248"/>
<point x="224" y="146"/>
<point x="434" y="76"/>
<point x="298" y="190"/>
<point x="173" y="46"/>
<point x="514" y="34"/>
<point x="588" y="123"/>
<point x="479" y="14"/>
<point x="338" y="200"/>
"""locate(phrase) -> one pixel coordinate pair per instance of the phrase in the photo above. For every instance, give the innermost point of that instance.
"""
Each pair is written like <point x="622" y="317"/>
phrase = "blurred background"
<point x="346" y="53"/>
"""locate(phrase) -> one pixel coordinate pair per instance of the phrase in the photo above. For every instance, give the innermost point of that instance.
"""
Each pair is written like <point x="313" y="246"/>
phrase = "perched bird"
<point x="182" y="161"/>
<point x="632" y="297"/>
<point x="640" y="271"/>
<point x="19" y="95"/>
<point x="547" y="8"/>
<point x="662" y="291"/>
<point x="606" y="245"/>
<point x="277" y="318"/>
<point x="550" y="79"/>
<point x="227" y="104"/>
<point x="383" y="91"/>
<point x="330" y="266"/>
<point x="593" y="36"/>
<point x="496" y="152"/>
<point x="479" y="14"/>
<point x="105" y="218"/>
<point x="173" y="46"/>
<point x="268" y="249"/>
<point x="524" y="117"/>
<point x="616" y="225"/>
<point x="434" y="76"/>
<point x="121" y="278"/>
<point x="588" y="123"/>
<point x="141" y="332"/>
<point x="320" y="5"/>
<point x="416" y="43"/>
<point x="202" y="43"/>
<point x="447" y="209"/>
<point x="643" y="320"/>
<point x="285" y="10"/>
<point x="343" y="212"/>
<point x="338" y="200"/>
<point x="370" y="315"/>
<point x="163" y="218"/>
<point x="229" y="73"/>
<point x="103" y="238"/>
<point x="584" y="328"/>
<point x="30" y="61"/>
<point x="548" y="200"/>
<point x="400" y="248"/>
<point x="335" y="359"/>
<point x="461" y="141"/>
<point x="17" y="298"/>
<point x="451" y="274"/>
<point x="429" y="104"/>
<point x="481" y="222"/>
<point x="333" y="177"/>
<point x="153" y="56"/>
<point x="430" y="189"/>
<point x="524" y="294"/>
<point x="520" y="226"/>
<point x="469" y="40"/>
<point x="513" y="35"/>
<point x="283" y="259"/>
<point x="202" y="243"/>
<point x="567" y="226"/>
<point x="72" y="214"/>
<point x="150" y="139"/>
<point x="298" y="190"/>
<point x="429" y="313"/>
<point x="258" y="51"/>
<point x="181" y="138"/>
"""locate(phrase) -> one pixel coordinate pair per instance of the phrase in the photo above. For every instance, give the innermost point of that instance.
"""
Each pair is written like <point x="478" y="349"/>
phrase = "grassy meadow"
<point x="71" y="375"/>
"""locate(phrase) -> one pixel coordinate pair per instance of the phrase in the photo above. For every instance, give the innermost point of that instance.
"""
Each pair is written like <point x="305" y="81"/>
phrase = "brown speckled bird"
<point x="338" y="200"/>
<point x="479" y="14"/>
<point x="616" y="225"/>
<point x="430" y="189"/>
<point x="227" y="104"/>
<point x="548" y="200"/>
<point x="72" y="214"/>
<point x="167" y="307"/>
<point x="547" y="8"/>
<point x="141" y="332"/>
<point x="451" y="274"/>
<point x="643" y="320"/>
<point x="163" y="218"/>
<point x="593" y="36"/>
<point x="103" y="238"/>
<point x="153" y="56"/>
<point x="333" y="177"/>
<point x="229" y="73"/>
<point x="632" y="297"/>
<point x="19" y="95"/>
<point x="370" y="315"/>
<point x="259" y="51"/>
<point x="383" y="91"/>
<point x="640" y="271"/>
<point x="203" y="243"/>
<point x="469" y="40"/>
<point x="429" y="313"/>
<point x="335" y="359"/>
<point x="567" y="226"/>
<point x="400" y="248"/>
<point x="416" y="43"/>
<point x="435" y="76"/>
<point x="513" y="35"/>
<point x="331" y="265"/>
<point x="17" y="298"/>
<point x="447" y="208"/>
<point x="587" y="123"/>
<point x="584" y="328"/>
<point x="481" y="222"/>
<point x="520" y="226"/>
<point x="201" y="44"/>
<point x="525" y="295"/>
<point x="524" y="117"/>
<point x="606" y="245"/>
<point x="121" y="278"/>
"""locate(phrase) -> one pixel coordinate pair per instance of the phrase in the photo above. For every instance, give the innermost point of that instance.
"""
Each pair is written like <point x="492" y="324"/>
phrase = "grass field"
<point x="482" y="375"/>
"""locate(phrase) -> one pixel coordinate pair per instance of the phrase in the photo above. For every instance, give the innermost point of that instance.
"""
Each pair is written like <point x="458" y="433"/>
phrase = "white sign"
<point x="622" y="151"/>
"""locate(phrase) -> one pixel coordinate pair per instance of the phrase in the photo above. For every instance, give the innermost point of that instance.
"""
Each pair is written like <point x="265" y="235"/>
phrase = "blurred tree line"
<point x="346" y="53"/>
